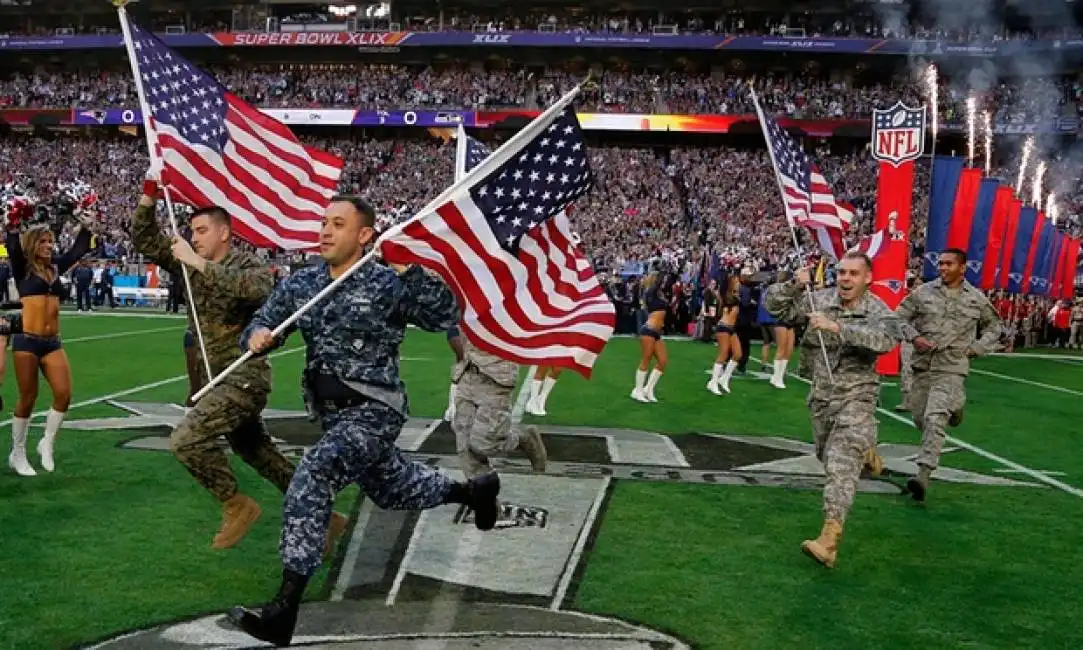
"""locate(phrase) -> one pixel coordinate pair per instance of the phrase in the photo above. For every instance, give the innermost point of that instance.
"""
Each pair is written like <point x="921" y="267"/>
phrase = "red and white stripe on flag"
<point x="872" y="244"/>
<point x="275" y="188"/>
<point x="542" y="305"/>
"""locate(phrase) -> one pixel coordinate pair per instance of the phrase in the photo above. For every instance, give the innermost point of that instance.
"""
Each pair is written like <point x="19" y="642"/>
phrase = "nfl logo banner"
<point x="898" y="134"/>
<point x="898" y="139"/>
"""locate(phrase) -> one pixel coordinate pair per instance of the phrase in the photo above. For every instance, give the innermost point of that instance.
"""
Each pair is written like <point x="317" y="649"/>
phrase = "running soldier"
<point x="352" y="388"/>
<point x="482" y="422"/>
<point x="856" y="327"/>
<point x="227" y="288"/>
<point x="942" y="319"/>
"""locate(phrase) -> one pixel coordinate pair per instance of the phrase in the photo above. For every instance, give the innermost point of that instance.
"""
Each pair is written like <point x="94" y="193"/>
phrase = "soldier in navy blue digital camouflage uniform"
<point x="352" y="387"/>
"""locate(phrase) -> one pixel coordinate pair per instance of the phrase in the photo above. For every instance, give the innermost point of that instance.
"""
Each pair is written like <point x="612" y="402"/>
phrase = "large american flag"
<point x="217" y="150"/>
<point x="806" y="194"/>
<point x="506" y="248"/>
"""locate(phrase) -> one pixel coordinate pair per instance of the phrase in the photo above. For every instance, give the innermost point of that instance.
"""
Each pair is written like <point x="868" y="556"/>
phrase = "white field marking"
<point x="408" y="555"/>
<point x="1004" y="470"/>
<point x="121" y="314"/>
<point x="1029" y="382"/>
<point x="580" y="545"/>
<point x="353" y="550"/>
<point x="118" y="335"/>
<point x="139" y="389"/>
<point x="1073" y="358"/>
<point x="524" y="396"/>
<point x="1034" y="474"/>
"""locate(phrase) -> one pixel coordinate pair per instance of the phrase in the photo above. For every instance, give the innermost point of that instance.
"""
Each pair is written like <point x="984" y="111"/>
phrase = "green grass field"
<point x="116" y="540"/>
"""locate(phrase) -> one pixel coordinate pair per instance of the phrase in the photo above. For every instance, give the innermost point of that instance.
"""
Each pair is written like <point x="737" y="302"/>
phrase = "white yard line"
<point x="580" y="546"/>
<point x="1034" y="474"/>
<point x="1028" y="382"/>
<point x="139" y="389"/>
<point x="119" y="335"/>
<point x="353" y="551"/>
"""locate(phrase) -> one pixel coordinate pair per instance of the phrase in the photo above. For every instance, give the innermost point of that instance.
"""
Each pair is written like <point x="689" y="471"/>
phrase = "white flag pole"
<point x="488" y="166"/>
<point x="145" y="109"/>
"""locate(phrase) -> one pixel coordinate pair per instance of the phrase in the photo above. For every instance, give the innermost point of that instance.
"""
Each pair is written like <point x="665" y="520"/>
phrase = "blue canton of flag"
<point x="536" y="184"/>
<point x="476" y="152"/>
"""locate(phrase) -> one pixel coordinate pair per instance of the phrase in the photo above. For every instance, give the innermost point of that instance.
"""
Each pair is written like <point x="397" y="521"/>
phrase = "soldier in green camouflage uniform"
<point x="227" y="288"/>
<point x="482" y="421"/>
<point x="942" y="319"/>
<point x="856" y="327"/>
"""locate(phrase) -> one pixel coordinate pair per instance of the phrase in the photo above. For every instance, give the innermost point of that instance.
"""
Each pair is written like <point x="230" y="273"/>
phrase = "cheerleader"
<point x="544" y="379"/>
<point x="729" y="344"/>
<point x="37" y="348"/>
<point x="783" y="335"/>
<point x="657" y="289"/>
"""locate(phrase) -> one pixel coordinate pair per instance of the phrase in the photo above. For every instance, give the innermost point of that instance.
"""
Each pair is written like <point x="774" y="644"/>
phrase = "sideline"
<point x="1034" y="474"/>
<point x="139" y="389"/>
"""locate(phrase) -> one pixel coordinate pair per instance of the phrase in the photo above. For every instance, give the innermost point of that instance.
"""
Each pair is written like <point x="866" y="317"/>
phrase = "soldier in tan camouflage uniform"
<point x="482" y="421"/>
<point x="227" y="288"/>
<point x="906" y="360"/>
<point x="942" y="319"/>
<point x="856" y="327"/>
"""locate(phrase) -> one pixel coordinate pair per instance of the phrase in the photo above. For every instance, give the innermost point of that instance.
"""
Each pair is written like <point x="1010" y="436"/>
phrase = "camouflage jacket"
<point x="868" y="330"/>
<point x="226" y="295"/>
<point x="504" y="373"/>
<point x="356" y="332"/>
<point x="952" y="323"/>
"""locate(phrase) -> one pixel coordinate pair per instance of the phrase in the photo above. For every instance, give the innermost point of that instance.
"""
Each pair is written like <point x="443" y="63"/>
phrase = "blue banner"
<point x="302" y="116"/>
<point x="1039" y="283"/>
<point x="451" y="39"/>
<point x="1025" y="232"/>
<point x="946" y="173"/>
<point x="979" y="230"/>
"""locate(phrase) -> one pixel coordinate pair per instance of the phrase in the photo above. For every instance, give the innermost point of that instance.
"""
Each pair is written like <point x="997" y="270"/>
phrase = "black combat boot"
<point x="480" y="495"/>
<point x="275" y="621"/>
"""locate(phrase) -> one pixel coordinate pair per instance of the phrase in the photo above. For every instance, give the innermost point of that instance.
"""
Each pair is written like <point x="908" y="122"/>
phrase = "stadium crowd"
<point x="387" y="86"/>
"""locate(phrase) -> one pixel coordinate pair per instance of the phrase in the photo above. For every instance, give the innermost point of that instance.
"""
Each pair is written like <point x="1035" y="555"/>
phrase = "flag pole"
<point x="793" y="231"/>
<point x="145" y="110"/>
<point x="488" y="166"/>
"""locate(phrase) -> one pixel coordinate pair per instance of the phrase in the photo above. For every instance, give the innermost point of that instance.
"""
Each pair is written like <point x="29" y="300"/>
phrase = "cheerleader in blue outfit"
<point x="657" y="289"/>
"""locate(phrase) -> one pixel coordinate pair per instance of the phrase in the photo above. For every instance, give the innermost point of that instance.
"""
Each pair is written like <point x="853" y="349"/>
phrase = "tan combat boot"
<point x="240" y="513"/>
<point x="534" y="447"/>
<point x="825" y="548"/>
<point x="335" y="529"/>
<point x="956" y="418"/>
<point x="873" y="462"/>
<point x="919" y="485"/>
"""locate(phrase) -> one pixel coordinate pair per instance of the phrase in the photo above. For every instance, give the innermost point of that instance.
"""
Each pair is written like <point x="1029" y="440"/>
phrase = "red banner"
<point x="1014" y="206"/>
<point x="962" y="216"/>
<point x="894" y="193"/>
<point x="993" y="249"/>
<point x="1071" y="268"/>
<point x="1032" y="254"/>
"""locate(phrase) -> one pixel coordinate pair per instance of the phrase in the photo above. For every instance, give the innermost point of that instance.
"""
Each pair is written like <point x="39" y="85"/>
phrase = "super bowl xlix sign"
<point x="898" y="134"/>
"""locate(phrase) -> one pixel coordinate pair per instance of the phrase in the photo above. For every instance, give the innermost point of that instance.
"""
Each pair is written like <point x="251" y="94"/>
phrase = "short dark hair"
<point x="958" y="252"/>
<point x="858" y="255"/>
<point x="368" y="215"/>
<point x="214" y="213"/>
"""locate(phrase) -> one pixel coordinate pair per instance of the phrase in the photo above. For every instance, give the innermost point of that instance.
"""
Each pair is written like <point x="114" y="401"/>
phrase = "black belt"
<point x="330" y="394"/>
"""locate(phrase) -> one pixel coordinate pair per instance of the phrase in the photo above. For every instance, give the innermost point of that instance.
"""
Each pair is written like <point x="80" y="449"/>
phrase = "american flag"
<point x="217" y="150"/>
<point x="806" y="194"/>
<point x="504" y="244"/>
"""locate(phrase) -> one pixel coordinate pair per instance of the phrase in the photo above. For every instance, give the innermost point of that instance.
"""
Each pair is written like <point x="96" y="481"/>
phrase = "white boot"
<point x="779" y="373"/>
<point x="45" y="447"/>
<point x="543" y="396"/>
<point x="712" y="385"/>
<point x="638" y="393"/>
<point x="656" y="375"/>
<point x="731" y="366"/>
<point x="532" y="406"/>
<point x="17" y="460"/>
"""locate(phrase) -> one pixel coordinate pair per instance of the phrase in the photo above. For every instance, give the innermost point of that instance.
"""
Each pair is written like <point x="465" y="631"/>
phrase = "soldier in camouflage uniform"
<point x="856" y="327"/>
<point x="352" y="387"/>
<point x="942" y="319"/>
<point x="482" y="421"/>
<point x="227" y="288"/>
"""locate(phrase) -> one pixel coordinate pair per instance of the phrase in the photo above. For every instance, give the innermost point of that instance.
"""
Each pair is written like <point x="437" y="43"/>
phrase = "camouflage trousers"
<point x="233" y="412"/>
<point x="934" y="397"/>
<point x="358" y="446"/>
<point x="482" y="422"/>
<point x="844" y="431"/>
<point x="906" y="372"/>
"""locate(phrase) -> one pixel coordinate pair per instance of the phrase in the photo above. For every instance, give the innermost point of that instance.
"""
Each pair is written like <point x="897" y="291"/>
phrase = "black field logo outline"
<point x="399" y="578"/>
